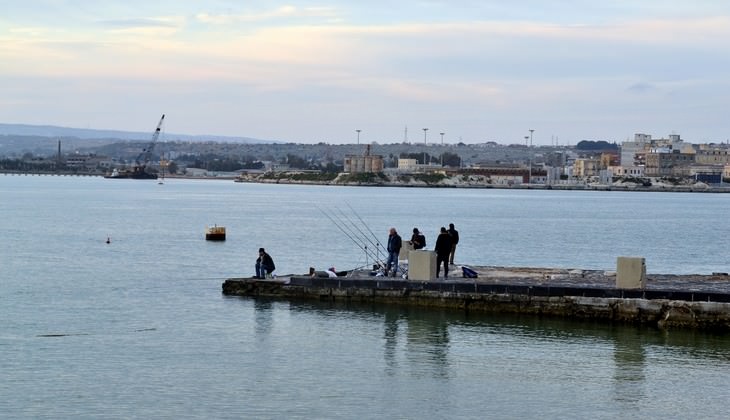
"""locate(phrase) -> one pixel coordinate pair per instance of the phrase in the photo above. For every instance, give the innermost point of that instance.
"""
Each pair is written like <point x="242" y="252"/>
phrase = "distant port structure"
<point x="365" y="163"/>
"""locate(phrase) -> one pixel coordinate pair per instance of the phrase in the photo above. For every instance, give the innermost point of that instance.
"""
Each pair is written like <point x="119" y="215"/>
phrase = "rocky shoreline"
<point x="697" y="188"/>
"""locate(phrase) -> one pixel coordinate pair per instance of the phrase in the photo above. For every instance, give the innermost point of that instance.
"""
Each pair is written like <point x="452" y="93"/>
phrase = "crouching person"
<point x="264" y="264"/>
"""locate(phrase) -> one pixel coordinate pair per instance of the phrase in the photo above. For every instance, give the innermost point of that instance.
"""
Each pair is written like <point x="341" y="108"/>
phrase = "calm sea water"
<point x="138" y="328"/>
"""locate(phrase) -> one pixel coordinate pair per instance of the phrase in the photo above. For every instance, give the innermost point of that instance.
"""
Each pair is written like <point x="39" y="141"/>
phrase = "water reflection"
<point x="390" y="334"/>
<point x="263" y="318"/>
<point x="629" y="356"/>
<point x="419" y="342"/>
<point x="427" y="343"/>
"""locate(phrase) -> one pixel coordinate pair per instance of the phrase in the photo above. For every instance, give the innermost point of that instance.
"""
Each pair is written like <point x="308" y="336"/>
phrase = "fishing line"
<point x="339" y="225"/>
<point x="367" y="227"/>
<point x="363" y="234"/>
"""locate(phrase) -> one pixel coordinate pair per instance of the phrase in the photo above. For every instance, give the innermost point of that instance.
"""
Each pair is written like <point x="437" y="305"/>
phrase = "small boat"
<point x="215" y="233"/>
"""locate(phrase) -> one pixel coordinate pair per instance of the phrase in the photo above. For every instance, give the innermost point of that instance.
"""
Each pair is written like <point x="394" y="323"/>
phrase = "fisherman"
<point x="264" y="264"/>
<point x="443" y="249"/>
<point x="418" y="240"/>
<point x="454" y="240"/>
<point x="394" y="245"/>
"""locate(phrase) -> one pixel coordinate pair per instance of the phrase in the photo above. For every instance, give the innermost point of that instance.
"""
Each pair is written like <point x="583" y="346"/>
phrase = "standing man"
<point x="443" y="250"/>
<point x="394" y="245"/>
<point x="264" y="264"/>
<point x="454" y="240"/>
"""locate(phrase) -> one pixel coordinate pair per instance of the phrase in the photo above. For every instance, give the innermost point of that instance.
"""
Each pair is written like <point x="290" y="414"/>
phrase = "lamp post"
<point x="358" y="135"/>
<point x="529" y="178"/>
<point x="442" y="148"/>
<point x="425" y="143"/>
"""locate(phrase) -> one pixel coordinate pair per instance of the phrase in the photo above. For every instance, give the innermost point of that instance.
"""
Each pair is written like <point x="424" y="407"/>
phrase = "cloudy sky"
<point x="310" y="71"/>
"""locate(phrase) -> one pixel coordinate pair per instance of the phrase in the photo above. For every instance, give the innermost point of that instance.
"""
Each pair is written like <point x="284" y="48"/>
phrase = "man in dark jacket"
<point x="394" y="246"/>
<point x="443" y="250"/>
<point x="454" y="240"/>
<point x="264" y="264"/>
<point x="418" y="240"/>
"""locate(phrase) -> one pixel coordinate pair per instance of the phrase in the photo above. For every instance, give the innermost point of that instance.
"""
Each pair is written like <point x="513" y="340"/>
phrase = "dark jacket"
<point x="394" y="243"/>
<point x="266" y="261"/>
<point x="443" y="244"/>
<point x="454" y="236"/>
<point x="418" y="240"/>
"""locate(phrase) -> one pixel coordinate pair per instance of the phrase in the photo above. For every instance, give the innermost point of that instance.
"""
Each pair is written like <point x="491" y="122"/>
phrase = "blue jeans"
<point x="392" y="258"/>
<point x="261" y="270"/>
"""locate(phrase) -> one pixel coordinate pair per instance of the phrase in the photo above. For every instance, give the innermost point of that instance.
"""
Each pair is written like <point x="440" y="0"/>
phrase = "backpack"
<point x="469" y="273"/>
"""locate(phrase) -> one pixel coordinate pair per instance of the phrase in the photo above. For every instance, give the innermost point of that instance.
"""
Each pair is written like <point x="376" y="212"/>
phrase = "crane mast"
<point x="147" y="151"/>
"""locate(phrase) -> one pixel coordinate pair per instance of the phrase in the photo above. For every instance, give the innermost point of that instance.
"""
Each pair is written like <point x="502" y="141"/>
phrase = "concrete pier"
<point x="666" y="301"/>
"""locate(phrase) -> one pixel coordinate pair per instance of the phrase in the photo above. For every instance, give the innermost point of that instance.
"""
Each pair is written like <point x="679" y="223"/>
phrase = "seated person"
<point x="264" y="264"/>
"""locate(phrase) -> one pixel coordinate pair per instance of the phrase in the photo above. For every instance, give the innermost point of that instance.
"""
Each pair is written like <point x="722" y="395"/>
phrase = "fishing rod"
<point x="364" y="248"/>
<point x="377" y="241"/>
<point x="375" y="244"/>
<point x="348" y="231"/>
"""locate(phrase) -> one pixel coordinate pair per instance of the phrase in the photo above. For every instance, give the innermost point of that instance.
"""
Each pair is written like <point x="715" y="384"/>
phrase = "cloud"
<point x="285" y="57"/>
<point x="641" y="88"/>
<point x="141" y="23"/>
<point x="269" y="15"/>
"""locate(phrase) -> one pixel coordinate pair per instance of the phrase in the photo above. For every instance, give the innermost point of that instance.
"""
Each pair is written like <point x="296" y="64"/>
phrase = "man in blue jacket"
<point x="394" y="245"/>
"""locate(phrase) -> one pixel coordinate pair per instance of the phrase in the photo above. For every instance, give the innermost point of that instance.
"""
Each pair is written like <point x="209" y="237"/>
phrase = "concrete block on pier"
<point x="422" y="265"/>
<point x="630" y="273"/>
<point x="405" y="250"/>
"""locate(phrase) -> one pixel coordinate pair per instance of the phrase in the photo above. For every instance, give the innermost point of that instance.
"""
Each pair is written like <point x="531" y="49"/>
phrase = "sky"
<point x="317" y="71"/>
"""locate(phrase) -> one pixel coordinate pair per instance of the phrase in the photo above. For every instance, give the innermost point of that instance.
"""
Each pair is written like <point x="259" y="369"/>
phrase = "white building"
<point x="629" y="149"/>
<point x="407" y="165"/>
<point x="635" y="171"/>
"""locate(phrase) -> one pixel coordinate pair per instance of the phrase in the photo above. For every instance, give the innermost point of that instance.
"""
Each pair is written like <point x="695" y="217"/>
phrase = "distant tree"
<point x="253" y="165"/>
<point x="295" y="161"/>
<point x="330" y="167"/>
<point x="172" y="167"/>
<point x="596" y="145"/>
<point x="451" y="159"/>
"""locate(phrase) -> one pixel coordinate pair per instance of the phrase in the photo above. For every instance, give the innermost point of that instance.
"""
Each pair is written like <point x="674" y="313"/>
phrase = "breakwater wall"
<point x="661" y="308"/>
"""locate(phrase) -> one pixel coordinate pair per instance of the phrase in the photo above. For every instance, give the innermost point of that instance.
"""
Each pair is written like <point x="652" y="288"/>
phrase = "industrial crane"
<point x="147" y="151"/>
<point x="138" y="171"/>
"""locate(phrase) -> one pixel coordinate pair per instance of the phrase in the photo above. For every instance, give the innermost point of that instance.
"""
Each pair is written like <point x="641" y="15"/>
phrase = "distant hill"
<point x="91" y="134"/>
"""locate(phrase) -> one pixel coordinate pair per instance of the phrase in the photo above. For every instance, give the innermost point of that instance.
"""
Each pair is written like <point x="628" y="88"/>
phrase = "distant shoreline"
<point x="559" y="187"/>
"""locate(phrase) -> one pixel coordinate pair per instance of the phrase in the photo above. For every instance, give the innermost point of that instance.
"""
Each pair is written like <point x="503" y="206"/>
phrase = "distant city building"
<point x="707" y="174"/>
<point x="555" y="159"/>
<point x="586" y="167"/>
<point x="712" y="156"/>
<point x="407" y="165"/>
<point x="553" y="174"/>
<point x="605" y="177"/>
<point x="632" y="152"/>
<point x="86" y="161"/>
<point x="278" y="167"/>
<point x="365" y="163"/>
<point x="667" y="162"/>
<point x="609" y="159"/>
<point x="634" y="171"/>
